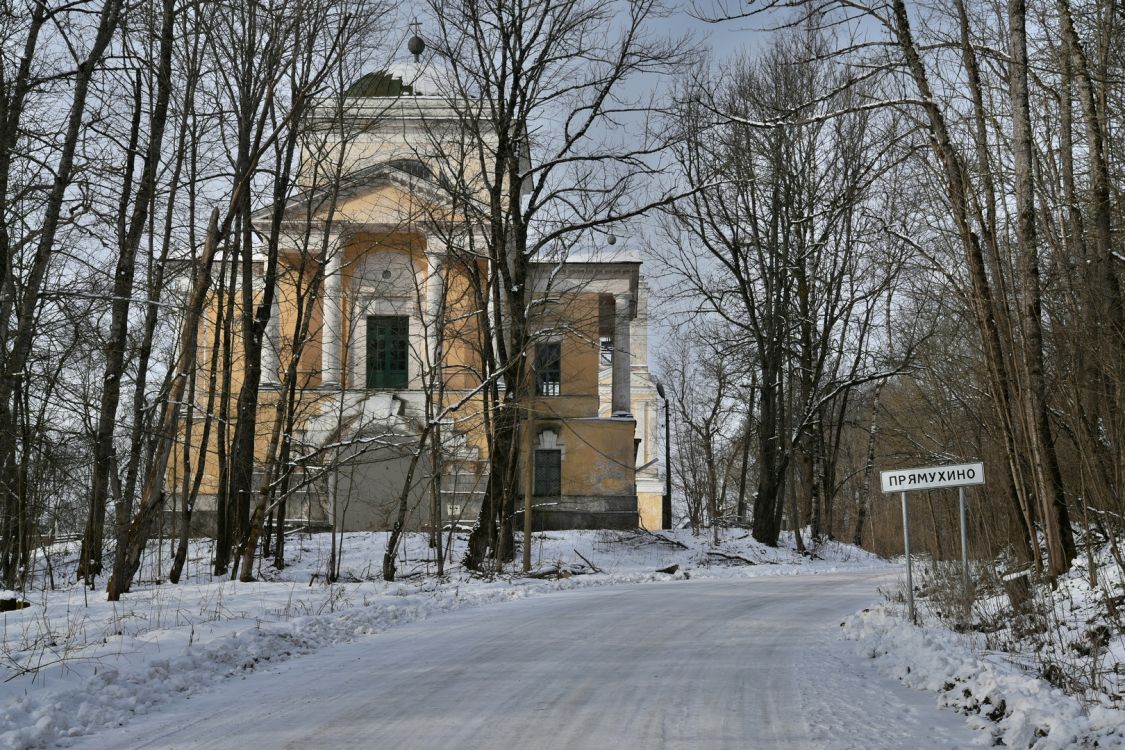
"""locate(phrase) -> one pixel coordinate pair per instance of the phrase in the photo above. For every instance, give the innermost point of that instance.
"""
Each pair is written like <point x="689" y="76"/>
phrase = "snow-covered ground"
<point x="1008" y="706"/>
<point x="76" y="663"/>
<point x="999" y="672"/>
<point x="719" y="664"/>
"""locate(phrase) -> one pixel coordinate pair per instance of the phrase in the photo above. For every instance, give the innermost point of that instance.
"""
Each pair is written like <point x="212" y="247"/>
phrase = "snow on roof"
<point x="604" y="253"/>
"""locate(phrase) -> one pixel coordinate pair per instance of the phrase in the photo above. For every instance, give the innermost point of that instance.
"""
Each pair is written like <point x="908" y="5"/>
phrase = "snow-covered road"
<point x="754" y="663"/>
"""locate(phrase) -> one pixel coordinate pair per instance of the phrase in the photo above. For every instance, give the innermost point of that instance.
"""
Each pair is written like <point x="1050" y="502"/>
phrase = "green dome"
<point x="379" y="83"/>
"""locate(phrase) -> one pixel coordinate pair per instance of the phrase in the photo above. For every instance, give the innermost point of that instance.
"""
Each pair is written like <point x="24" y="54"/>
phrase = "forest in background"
<point x="904" y="249"/>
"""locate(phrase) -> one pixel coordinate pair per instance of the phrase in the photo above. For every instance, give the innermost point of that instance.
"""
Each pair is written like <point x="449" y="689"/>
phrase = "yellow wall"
<point x="573" y="322"/>
<point x="651" y="508"/>
<point x="597" y="456"/>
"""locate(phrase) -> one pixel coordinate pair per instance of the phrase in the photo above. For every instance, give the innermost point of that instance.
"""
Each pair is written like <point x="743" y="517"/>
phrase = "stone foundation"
<point x="567" y="512"/>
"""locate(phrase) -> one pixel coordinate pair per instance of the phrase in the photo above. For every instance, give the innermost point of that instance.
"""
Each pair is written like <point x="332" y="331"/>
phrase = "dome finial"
<point x="415" y="45"/>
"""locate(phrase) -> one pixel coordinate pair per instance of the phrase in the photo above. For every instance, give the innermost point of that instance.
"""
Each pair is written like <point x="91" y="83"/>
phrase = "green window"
<point x="548" y="368"/>
<point x="388" y="351"/>
<point x="548" y="473"/>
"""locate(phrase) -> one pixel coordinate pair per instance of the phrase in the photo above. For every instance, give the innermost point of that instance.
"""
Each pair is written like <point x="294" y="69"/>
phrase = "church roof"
<point x="379" y="84"/>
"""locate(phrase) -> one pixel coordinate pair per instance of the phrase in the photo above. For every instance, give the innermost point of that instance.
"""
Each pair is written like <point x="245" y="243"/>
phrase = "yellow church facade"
<point x="376" y="316"/>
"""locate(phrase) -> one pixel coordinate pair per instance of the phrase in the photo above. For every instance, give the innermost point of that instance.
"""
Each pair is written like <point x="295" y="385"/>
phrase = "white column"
<point x="332" y="310"/>
<point x="620" y="403"/>
<point x="639" y="327"/>
<point x="435" y="289"/>
<point x="271" y="346"/>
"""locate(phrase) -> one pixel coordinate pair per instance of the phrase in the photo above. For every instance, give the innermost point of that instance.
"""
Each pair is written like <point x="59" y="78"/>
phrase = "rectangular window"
<point x="388" y="351"/>
<point x="548" y="370"/>
<point x="548" y="473"/>
<point x="605" y="350"/>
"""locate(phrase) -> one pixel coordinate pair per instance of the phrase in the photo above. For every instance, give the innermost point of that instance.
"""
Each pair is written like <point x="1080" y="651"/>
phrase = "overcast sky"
<point x="724" y="38"/>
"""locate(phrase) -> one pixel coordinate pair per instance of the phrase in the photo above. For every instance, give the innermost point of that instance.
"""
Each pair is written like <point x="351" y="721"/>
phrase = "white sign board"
<point x="933" y="477"/>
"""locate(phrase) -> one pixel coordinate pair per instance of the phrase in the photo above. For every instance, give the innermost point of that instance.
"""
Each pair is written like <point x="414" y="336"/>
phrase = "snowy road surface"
<point x="753" y="663"/>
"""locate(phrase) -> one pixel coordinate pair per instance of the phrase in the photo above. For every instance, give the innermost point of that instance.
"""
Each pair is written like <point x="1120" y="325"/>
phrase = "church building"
<point x="376" y="312"/>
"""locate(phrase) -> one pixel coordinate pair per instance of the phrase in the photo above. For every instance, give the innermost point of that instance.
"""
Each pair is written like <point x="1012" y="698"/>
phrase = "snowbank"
<point x="1012" y="707"/>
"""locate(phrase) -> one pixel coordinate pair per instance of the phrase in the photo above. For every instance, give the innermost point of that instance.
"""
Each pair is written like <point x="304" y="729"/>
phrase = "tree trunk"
<point x="403" y="505"/>
<point x="983" y="303"/>
<point x="868" y="467"/>
<point x="770" y="498"/>
<point x="746" y="438"/>
<point x="1048" y="478"/>
<point x="253" y="339"/>
<point x="1108" y="287"/>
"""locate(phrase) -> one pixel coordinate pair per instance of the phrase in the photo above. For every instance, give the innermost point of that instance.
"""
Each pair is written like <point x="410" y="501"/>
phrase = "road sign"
<point x="933" y="477"/>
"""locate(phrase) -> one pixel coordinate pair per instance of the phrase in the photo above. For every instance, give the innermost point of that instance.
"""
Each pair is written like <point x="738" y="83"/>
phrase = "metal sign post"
<point x="934" y="477"/>
<point x="906" y="546"/>
<point x="964" y="543"/>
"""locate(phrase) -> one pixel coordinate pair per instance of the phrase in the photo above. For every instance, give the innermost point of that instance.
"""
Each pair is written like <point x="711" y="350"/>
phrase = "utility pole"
<point x="529" y="479"/>
<point x="666" y="503"/>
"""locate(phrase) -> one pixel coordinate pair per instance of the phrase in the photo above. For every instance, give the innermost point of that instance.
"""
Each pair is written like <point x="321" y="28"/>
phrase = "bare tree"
<point x="26" y="258"/>
<point x="973" y="76"/>
<point x="701" y="382"/>
<point x="265" y="60"/>
<point x="547" y="158"/>
<point x="785" y="161"/>
<point x="131" y="229"/>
